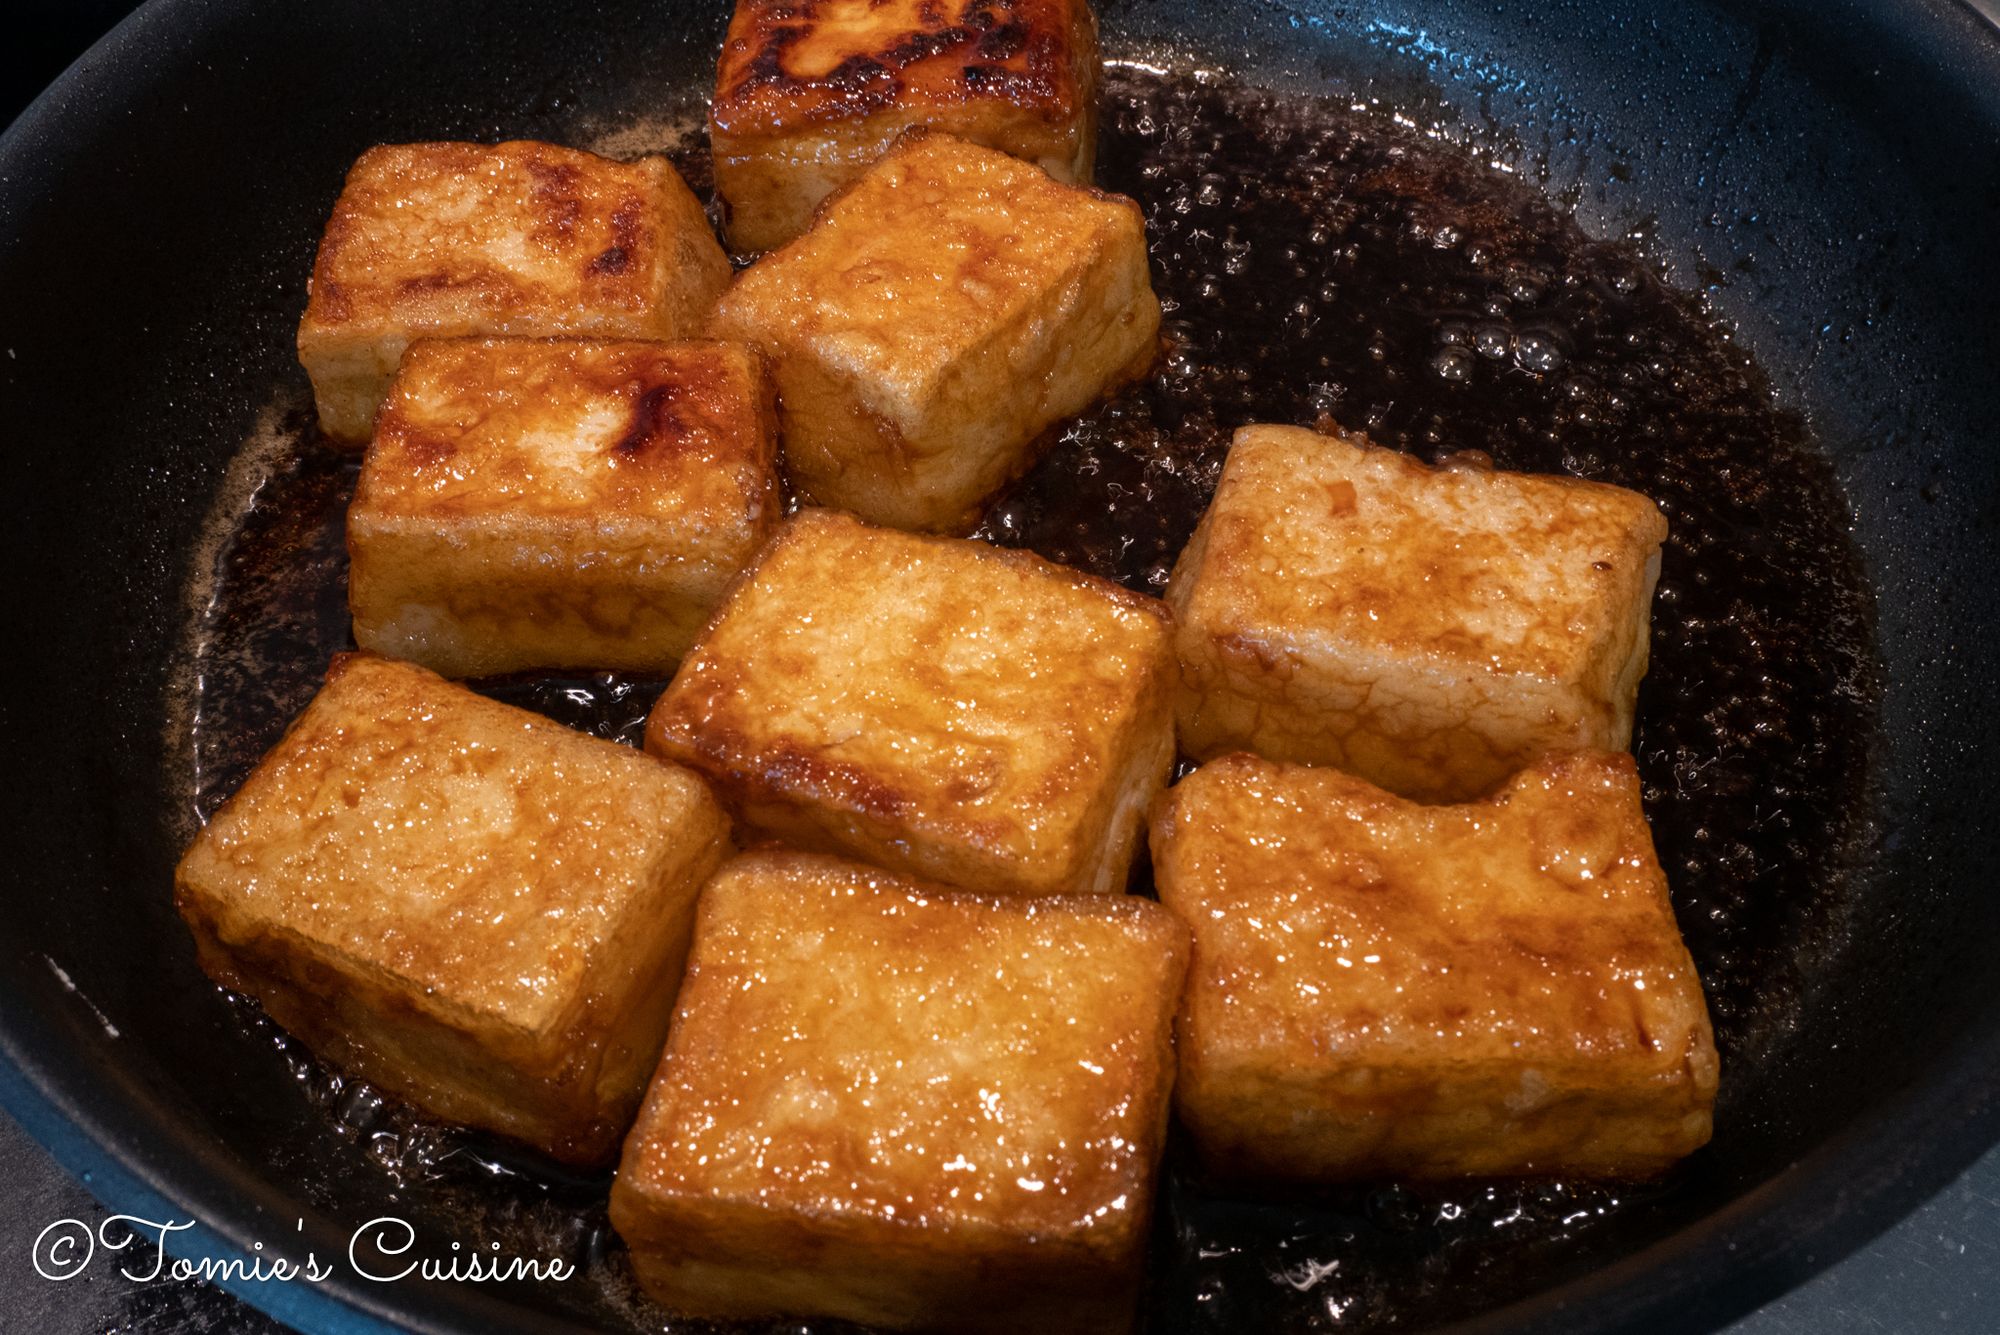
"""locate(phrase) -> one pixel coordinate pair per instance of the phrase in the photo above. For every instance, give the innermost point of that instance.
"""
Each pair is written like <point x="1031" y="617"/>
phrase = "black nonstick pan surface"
<point x="1824" y="180"/>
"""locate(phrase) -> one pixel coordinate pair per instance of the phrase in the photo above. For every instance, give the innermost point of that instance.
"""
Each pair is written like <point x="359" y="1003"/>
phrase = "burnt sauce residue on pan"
<point x="1317" y="265"/>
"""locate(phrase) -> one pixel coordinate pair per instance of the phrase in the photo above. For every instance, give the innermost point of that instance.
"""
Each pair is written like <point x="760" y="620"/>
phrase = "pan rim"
<point x="1768" y="1240"/>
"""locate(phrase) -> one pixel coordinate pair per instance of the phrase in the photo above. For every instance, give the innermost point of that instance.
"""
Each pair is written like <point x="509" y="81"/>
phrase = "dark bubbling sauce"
<point x="1317" y="265"/>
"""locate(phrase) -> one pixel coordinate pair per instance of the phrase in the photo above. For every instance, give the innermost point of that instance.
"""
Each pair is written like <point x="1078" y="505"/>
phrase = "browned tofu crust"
<point x="936" y="706"/>
<point x="463" y="902"/>
<point x="787" y="64"/>
<point x="942" y="312"/>
<point x="556" y="503"/>
<point x="904" y="1106"/>
<point x="1382" y="989"/>
<point x="460" y="239"/>
<point x="1429" y="629"/>
<point x="807" y="94"/>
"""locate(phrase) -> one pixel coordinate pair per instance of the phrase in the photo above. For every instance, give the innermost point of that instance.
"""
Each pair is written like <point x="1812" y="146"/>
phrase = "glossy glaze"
<point x="459" y="899"/>
<point x="1753" y="727"/>
<point x="1387" y="990"/>
<point x="980" y="717"/>
<point x="1429" y="629"/>
<point x="554" y="503"/>
<point x="455" y="239"/>
<point x="893" y="1103"/>
<point x="944" y="309"/>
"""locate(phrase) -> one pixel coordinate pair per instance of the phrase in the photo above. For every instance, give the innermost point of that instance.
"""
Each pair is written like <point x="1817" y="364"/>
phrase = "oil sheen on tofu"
<point x="941" y="707"/>
<point x="808" y="95"/>
<point x="444" y="240"/>
<point x="1383" y="989"/>
<point x="559" y="504"/>
<point x="1429" y="629"/>
<point x="943" y="311"/>
<point x="460" y="901"/>
<point x="903" y="1106"/>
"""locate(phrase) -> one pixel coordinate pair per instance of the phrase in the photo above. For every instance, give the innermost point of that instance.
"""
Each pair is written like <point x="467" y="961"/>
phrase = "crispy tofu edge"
<point x="695" y="252"/>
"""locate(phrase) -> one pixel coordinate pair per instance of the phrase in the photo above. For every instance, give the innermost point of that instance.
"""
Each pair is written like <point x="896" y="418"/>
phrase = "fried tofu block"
<point x="553" y="503"/>
<point x="904" y="1106"/>
<point x="1431" y="630"/>
<point x="1383" y="989"/>
<point x="460" y="901"/>
<point x="451" y="240"/>
<point x="807" y="97"/>
<point x="945" y="309"/>
<point x="935" y="706"/>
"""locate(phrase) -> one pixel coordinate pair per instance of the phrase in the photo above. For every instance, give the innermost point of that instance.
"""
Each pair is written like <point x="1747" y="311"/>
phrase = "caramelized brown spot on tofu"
<point x="786" y="767"/>
<point x="437" y="282"/>
<point x="558" y="426"/>
<point x="556" y="194"/>
<point x="654" y="422"/>
<point x="627" y="238"/>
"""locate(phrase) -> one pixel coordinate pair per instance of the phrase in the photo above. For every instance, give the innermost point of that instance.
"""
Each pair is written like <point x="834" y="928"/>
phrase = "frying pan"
<point x="1825" y="175"/>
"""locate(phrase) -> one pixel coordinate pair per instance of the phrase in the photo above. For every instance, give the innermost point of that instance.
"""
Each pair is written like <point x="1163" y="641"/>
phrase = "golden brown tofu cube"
<point x="904" y="1106"/>
<point x="1429" y="629"/>
<point x="1383" y="989"/>
<point x="807" y="97"/>
<point x="935" y="706"/>
<point x="454" y="240"/>
<point x="945" y="309"/>
<point x="552" y="503"/>
<point x="463" y="902"/>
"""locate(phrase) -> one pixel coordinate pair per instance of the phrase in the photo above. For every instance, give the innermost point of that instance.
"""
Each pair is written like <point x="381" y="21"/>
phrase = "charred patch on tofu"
<point x="1384" y="989"/>
<point x="786" y="64"/>
<point x="653" y="420"/>
<point x="808" y="95"/>
<point x="628" y="241"/>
